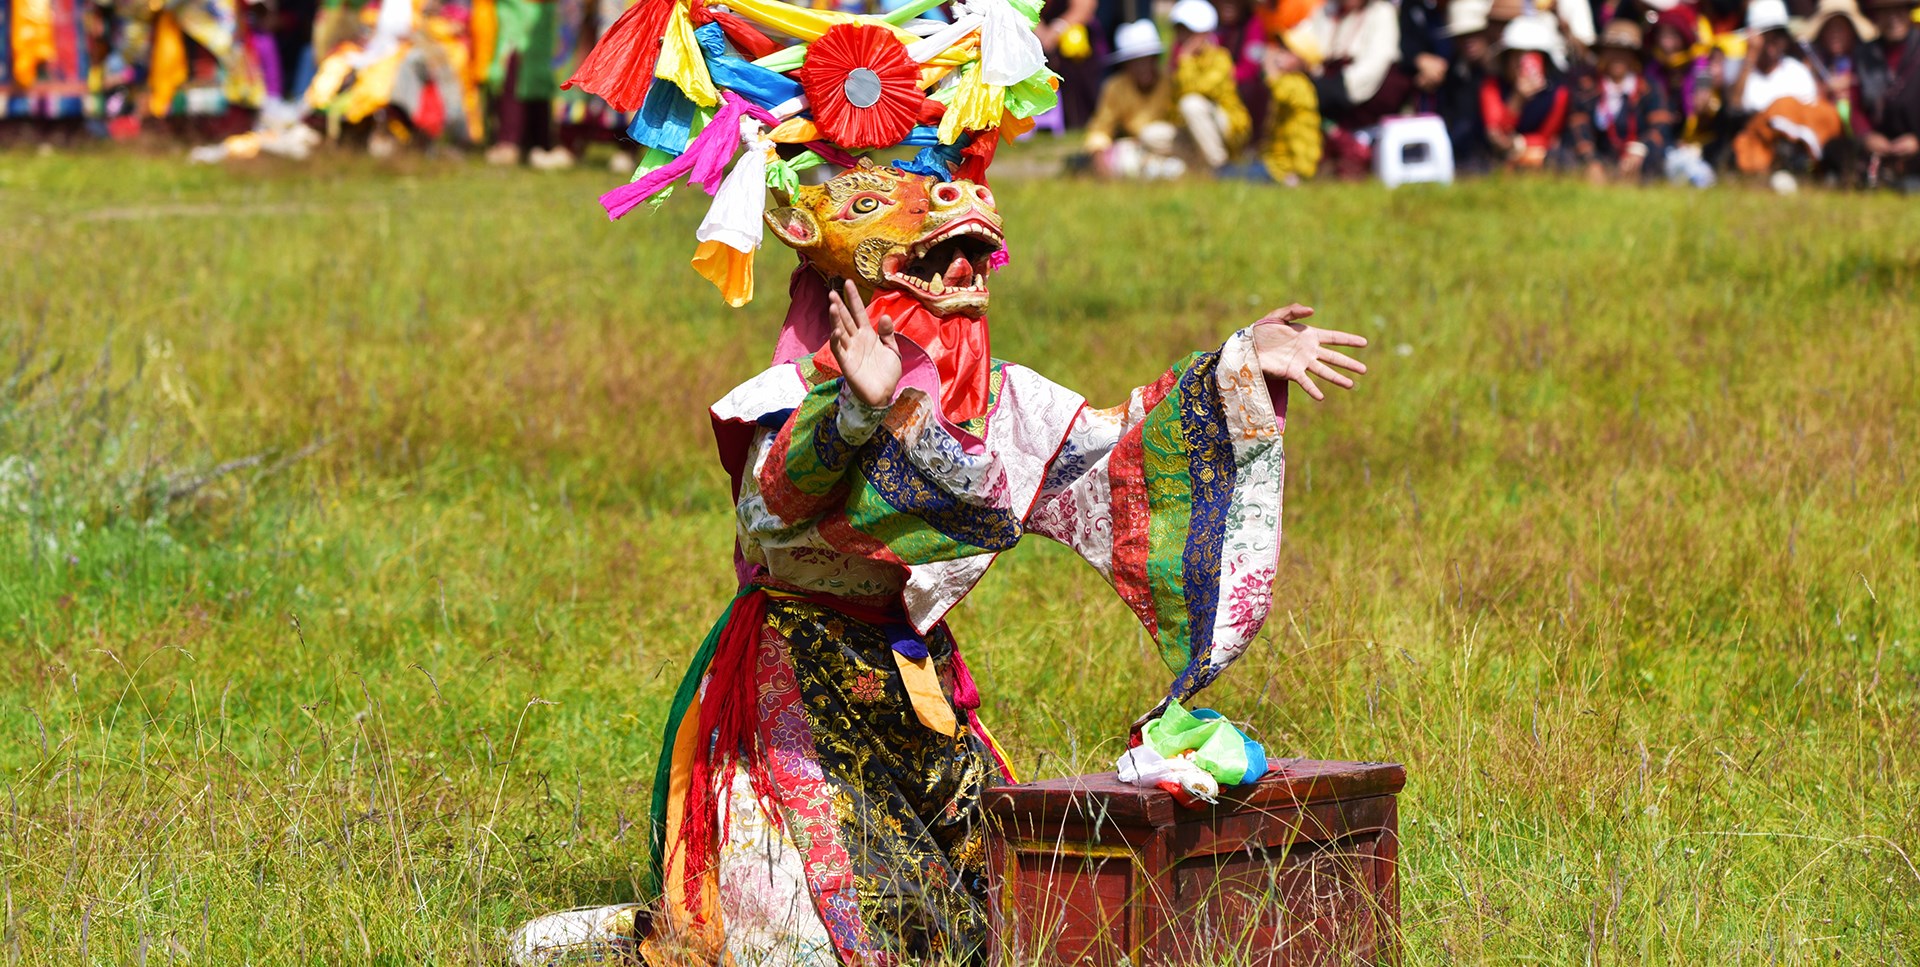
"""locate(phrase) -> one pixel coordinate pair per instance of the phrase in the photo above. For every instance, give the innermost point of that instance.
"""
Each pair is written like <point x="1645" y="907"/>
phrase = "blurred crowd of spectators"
<point x="1271" y="90"/>
<point x="1627" y="90"/>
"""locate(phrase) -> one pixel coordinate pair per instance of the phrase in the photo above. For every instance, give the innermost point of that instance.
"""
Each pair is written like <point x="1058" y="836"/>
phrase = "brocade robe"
<point x="858" y="529"/>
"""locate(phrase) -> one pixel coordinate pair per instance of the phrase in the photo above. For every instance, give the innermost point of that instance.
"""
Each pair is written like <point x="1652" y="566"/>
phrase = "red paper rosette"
<point x="863" y="87"/>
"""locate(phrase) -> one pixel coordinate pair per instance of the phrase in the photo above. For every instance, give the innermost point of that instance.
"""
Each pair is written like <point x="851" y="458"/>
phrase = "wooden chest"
<point x="1298" y="869"/>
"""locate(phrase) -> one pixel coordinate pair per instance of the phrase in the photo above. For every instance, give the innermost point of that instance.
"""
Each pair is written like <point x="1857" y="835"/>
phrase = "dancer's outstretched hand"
<point x="868" y="356"/>
<point x="1292" y="350"/>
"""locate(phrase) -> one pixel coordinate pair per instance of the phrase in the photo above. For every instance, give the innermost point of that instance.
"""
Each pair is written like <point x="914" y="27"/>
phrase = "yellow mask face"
<point x="887" y="229"/>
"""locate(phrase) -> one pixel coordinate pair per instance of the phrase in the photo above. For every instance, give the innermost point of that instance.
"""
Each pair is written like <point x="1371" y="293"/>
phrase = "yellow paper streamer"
<point x="728" y="268"/>
<point x="976" y="105"/>
<point x="802" y="23"/>
<point x="682" y="63"/>
<point x="795" y="131"/>
<point x="930" y="703"/>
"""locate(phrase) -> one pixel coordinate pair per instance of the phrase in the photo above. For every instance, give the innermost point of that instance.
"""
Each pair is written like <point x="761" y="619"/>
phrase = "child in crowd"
<point x="1132" y="133"/>
<point x="1622" y="127"/>
<point x="1292" y="151"/>
<point x="1524" y="105"/>
<point x="1208" y="100"/>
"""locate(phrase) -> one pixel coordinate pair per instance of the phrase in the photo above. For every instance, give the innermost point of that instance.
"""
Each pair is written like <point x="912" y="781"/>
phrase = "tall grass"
<point x="1616" y="548"/>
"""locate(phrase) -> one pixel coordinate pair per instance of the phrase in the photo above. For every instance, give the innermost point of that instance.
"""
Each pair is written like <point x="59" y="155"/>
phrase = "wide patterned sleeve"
<point x="805" y="472"/>
<point x="1174" y="497"/>
<point x="897" y="486"/>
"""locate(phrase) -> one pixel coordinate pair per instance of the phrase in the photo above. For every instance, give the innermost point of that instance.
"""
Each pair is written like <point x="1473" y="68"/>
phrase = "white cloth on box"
<point x="1142" y="766"/>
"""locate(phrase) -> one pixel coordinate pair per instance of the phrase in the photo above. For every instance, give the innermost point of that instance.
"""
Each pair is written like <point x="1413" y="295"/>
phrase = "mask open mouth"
<point x="948" y="270"/>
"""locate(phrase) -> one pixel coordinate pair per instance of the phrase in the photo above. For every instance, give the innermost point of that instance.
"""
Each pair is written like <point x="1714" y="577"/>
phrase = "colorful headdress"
<point x="709" y="85"/>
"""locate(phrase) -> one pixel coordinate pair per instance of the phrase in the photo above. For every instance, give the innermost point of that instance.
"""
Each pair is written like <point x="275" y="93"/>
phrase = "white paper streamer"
<point x="734" y="218"/>
<point x="1009" y="50"/>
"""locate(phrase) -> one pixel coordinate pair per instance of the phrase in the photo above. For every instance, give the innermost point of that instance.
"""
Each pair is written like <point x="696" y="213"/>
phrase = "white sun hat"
<point x="1135" y="40"/>
<point x="1197" y="16"/>
<point x="1537" y="32"/>
<point x="1467" y="16"/>
<point x="1765" y="15"/>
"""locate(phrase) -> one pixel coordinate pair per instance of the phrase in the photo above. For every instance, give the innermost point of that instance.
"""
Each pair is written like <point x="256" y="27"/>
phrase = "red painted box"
<point x="1297" y="869"/>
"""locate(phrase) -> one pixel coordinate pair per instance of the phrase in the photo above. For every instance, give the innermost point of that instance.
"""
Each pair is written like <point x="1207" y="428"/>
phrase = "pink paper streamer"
<point x="704" y="162"/>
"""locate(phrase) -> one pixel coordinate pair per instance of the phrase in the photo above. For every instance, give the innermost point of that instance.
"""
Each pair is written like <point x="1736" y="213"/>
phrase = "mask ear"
<point x="795" y="226"/>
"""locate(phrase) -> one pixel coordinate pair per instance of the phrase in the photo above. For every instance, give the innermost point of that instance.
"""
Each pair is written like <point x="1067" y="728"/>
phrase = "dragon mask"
<point x="891" y="230"/>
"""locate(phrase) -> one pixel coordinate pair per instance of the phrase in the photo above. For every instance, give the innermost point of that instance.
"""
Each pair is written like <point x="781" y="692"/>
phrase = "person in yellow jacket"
<point x="1203" y="83"/>
<point x="1131" y="133"/>
<point x="1292" y="151"/>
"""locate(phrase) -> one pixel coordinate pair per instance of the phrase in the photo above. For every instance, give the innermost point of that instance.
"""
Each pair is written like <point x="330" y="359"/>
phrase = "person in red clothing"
<point x="1524" y="104"/>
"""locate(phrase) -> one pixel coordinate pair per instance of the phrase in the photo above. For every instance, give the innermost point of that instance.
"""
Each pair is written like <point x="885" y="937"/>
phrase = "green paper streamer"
<point x="784" y="175"/>
<point x="651" y="881"/>
<point x="918" y="7"/>
<point x="1035" y="95"/>
<point x="1218" y="747"/>
<point x="784" y="59"/>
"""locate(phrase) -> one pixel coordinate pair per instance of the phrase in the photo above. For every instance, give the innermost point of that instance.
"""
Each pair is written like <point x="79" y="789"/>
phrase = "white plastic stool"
<point x="1414" y="149"/>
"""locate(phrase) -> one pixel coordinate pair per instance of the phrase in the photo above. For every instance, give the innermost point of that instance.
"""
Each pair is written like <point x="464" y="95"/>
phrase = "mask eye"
<point x="863" y="204"/>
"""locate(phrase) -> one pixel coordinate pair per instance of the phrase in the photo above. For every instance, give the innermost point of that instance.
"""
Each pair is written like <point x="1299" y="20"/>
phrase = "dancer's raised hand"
<point x="1292" y="350"/>
<point x="869" y="357"/>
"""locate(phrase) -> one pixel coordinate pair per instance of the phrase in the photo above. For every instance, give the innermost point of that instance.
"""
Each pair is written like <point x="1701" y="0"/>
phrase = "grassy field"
<point x="356" y="522"/>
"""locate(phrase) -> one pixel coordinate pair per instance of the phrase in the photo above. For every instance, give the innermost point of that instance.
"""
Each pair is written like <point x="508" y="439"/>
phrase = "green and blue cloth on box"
<point x="1217" y="747"/>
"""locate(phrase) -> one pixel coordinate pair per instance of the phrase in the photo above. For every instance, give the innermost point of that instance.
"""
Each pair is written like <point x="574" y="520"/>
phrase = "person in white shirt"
<point x="1785" y="115"/>
<point x="1359" y="82"/>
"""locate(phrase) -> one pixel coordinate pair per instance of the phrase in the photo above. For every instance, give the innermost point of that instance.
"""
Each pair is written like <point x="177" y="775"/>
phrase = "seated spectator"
<point x="1684" y="69"/>
<point x="1784" y="122"/>
<point x="1459" y="94"/>
<point x="1574" y="33"/>
<point x="1358" y="84"/>
<point x="1524" y="105"/>
<point x="1203" y="87"/>
<point x="1244" y="34"/>
<point x="1678" y="62"/>
<point x="1426" y="49"/>
<point x="1131" y="133"/>
<point x="1622" y="128"/>
<point x="1835" y="39"/>
<point x="1292" y="152"/>
<point x="1890" y="91"/>
<point x="1067" y="36"/>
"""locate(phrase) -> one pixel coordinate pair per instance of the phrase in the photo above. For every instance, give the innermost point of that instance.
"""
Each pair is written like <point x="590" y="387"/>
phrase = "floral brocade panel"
<point x="905" y="799"/>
